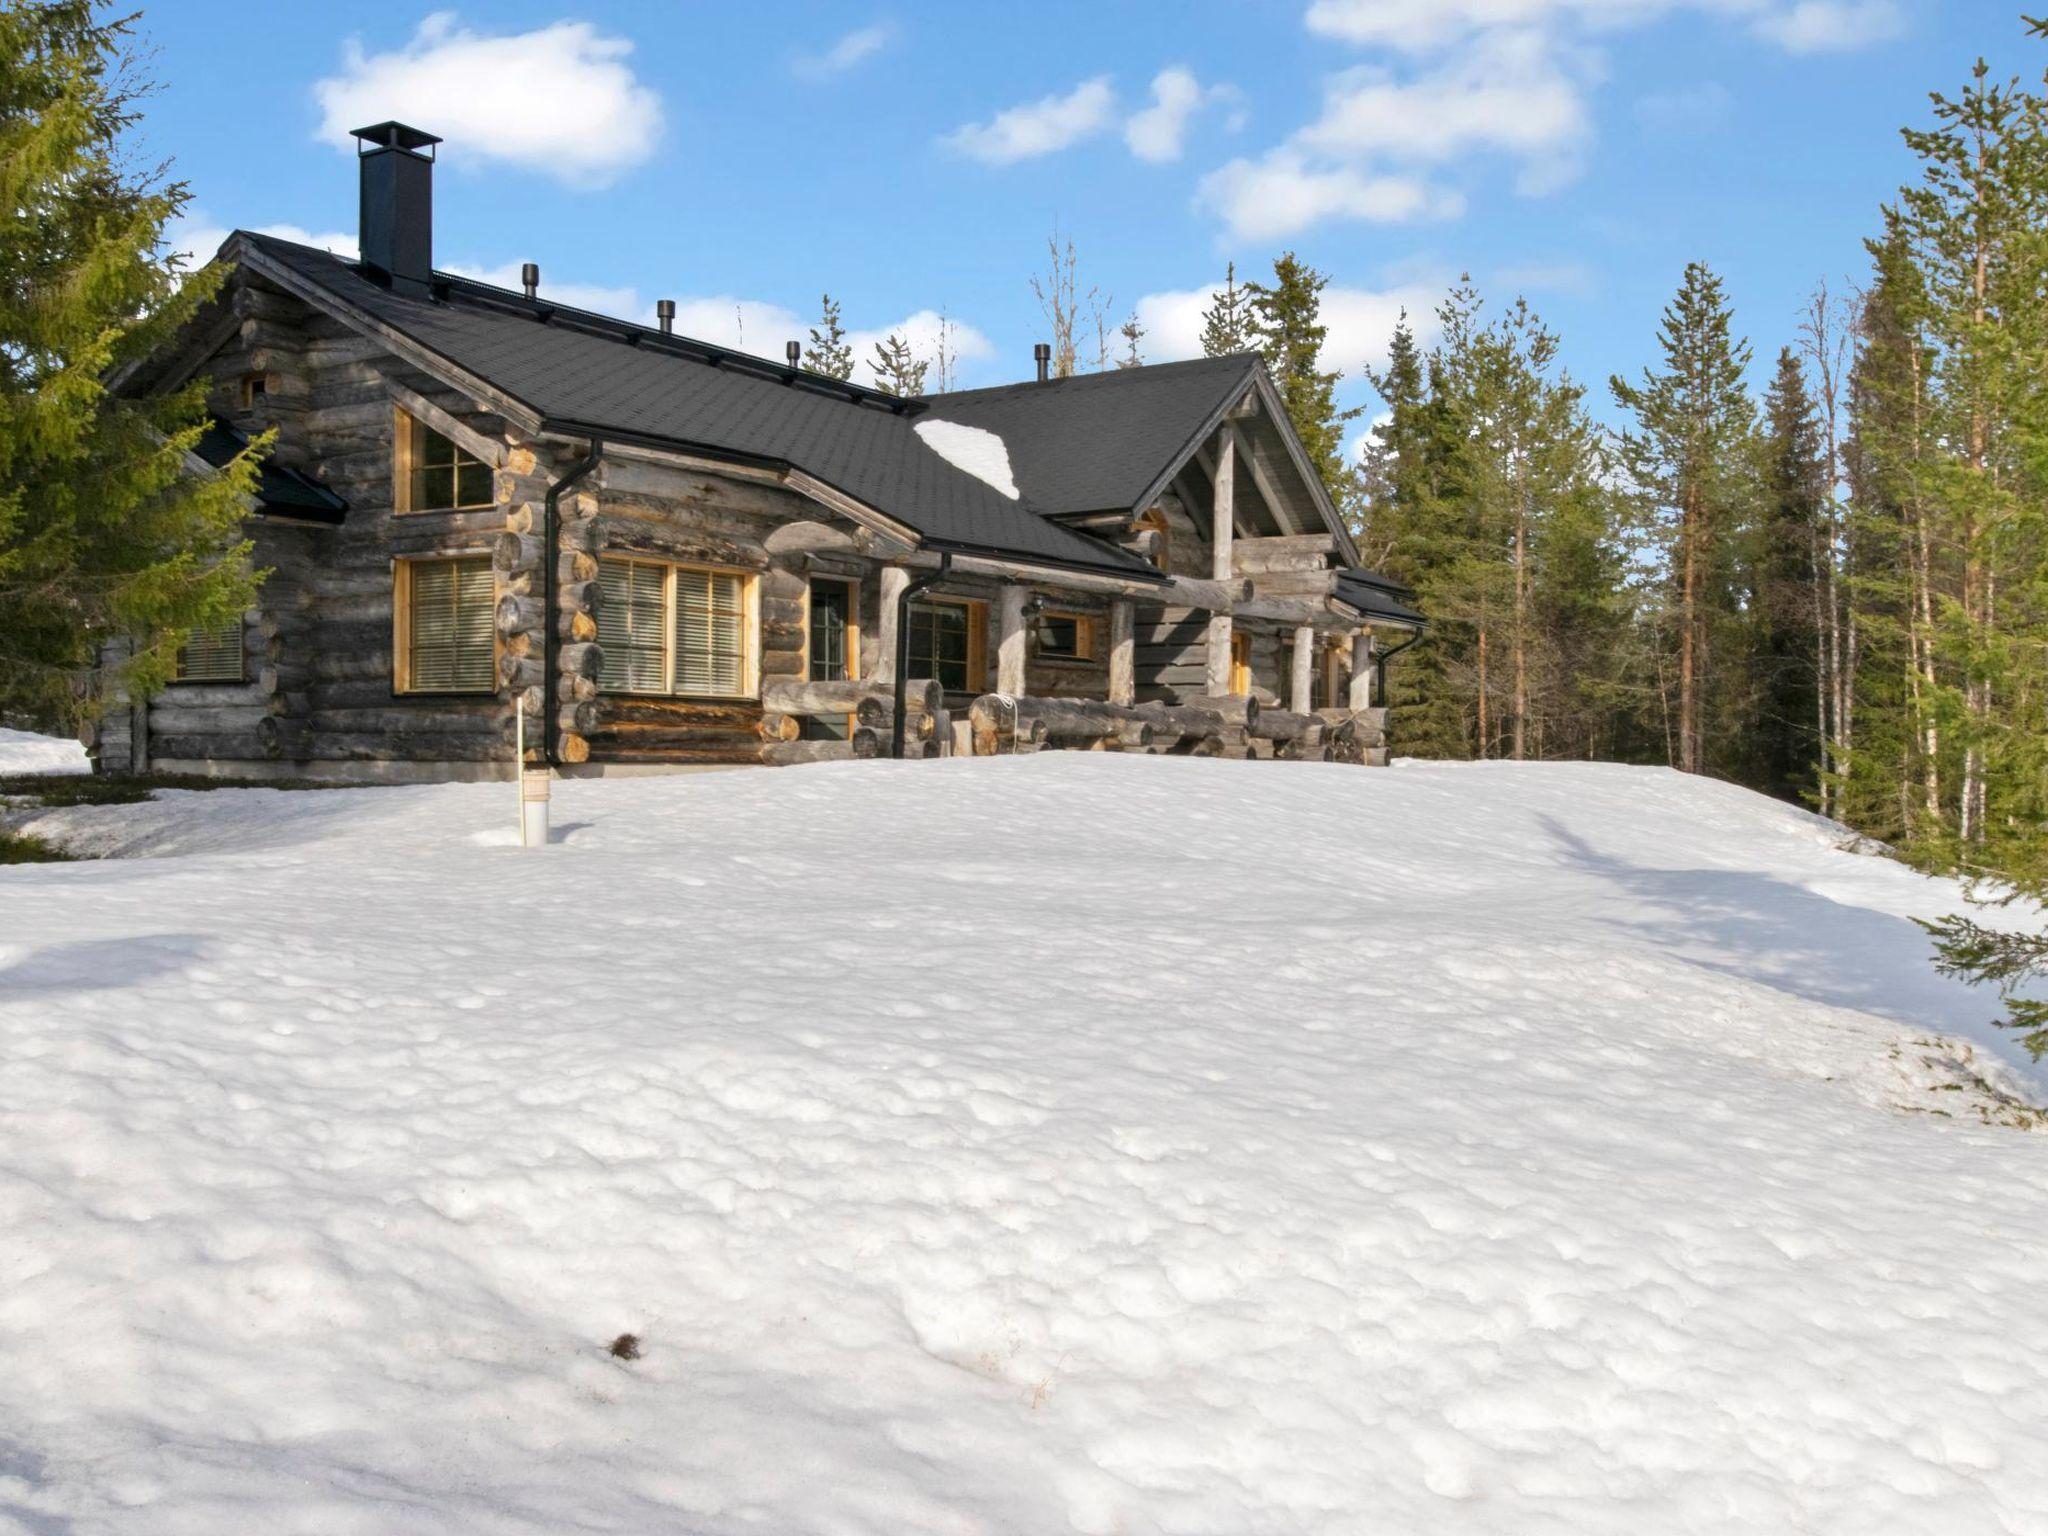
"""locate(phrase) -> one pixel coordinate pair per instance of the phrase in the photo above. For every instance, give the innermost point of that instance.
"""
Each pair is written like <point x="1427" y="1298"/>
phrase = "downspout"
<point x="550" y="564"/>
<point x="1379" y="667"/>
<point x="903" y="601"/>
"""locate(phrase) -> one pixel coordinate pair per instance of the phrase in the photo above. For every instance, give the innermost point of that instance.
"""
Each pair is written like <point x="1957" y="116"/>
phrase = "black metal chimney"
<point x="794" y="351"/>
<point x="665" y="315"/>
<point x="396" y="222"/>
<point x="529" y="278"/>
<point x="1042" y="352"/>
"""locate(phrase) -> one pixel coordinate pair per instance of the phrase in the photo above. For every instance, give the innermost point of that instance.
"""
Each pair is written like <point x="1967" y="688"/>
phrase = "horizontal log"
<point x="423" y="717"/>
<point x="283" y="676"/>
<point x="580" y="660"/>
<point x="1283" y="725"/>
<point x="1216" y="596"/>
<point x="244" y="746"/>
<point x="516" y="552"/>
<point x="581" y="718"/>
<point x="799" y="696"/>
<point x="585" y="595"/>
<point x="518" y="614"/>
<point x="859" y="744"/>
<point x="736" y="715"/>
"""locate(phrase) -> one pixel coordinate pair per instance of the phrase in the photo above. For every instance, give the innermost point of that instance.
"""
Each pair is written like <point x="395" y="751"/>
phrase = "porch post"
<point x="1222" y="528"/>
<point x="1302" y="699"/>
<point x="1123" y="653"/>
<point x="1361" y="670"/>
<point x="894" y="579"/>
<point x="1010" y="640"/>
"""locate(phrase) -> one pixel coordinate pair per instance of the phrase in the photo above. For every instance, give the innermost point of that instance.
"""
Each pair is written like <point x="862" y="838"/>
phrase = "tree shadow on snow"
<point x="95" y="965"/>
<point x="1763" y="929"/>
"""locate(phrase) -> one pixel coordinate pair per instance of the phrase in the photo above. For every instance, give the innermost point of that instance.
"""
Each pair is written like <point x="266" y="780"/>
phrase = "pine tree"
<point x="1688" y="458"/>
<point x="829" y="352"/>
<point x="1287" y="320"/>
<point x="897" y="370"/>
<point x="1392" y="468"/>
<point x="104" y="533"/>
<point x="1132" y="333"/>
<point x="1227" y="324"/>
<point x="1783" y="739"/>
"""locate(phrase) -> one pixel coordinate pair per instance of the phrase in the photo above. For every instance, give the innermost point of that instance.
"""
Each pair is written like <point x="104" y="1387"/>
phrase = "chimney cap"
<point x="794" y="351"/>
<point x="393" y="135"/>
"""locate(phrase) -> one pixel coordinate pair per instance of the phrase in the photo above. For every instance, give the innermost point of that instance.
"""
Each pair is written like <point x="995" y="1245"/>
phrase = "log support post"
<point x="894" y="579"/>
<point x="1361" y="670"/>
<point x="1123" y="652"/>
<point x="1223" y="529"/>
<point x="1010" y="640"/>
<point x="1301" y="694"/>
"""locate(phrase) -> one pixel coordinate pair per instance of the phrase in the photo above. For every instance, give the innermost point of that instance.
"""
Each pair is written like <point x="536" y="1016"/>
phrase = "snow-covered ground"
<point x="1063" y="1143"/>
<point x="26" y="752"/>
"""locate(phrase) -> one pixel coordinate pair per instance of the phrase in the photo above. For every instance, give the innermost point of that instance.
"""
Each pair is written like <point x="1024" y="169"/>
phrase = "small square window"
<point x="255" y="387"/>
<point x="1066" y="637"/>
<point x="438" y="475"/>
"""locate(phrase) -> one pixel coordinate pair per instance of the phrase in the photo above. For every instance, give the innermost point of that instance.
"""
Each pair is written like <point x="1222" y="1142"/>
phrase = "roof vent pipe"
<point x="794" y="351"/>
<point x="1041" y="352"/>
<point x="395" y="216"/>
<point x="529" y="278"/>
<point x="665" y="316"/>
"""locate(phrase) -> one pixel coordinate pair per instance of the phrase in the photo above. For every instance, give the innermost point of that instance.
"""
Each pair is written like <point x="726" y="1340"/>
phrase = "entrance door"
<point x="833" y="636"/>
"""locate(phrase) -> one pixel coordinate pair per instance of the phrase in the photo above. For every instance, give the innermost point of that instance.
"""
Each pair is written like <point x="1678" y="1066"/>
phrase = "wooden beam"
<point x="1223" y="529"/>
<point x="1282" y="513"/>
<point x="1010" y="638"/>
<point x="1361" y="670"/>
<point x="1123" y="656"/>
<point x="1301" y="697"/>
<point x="882" y="665"/>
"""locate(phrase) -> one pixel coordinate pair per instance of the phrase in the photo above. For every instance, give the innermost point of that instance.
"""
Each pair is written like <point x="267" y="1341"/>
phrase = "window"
<point x="1066" y="637"/>
<point x="434" y="474"/>
<point x="676" y="629"/>
<point x="444" y="613"/>
<point x="947" y="644"/>
<point x="212" y="655"/>
<point x="834" y="640"/>
<point x="255" y="386"/>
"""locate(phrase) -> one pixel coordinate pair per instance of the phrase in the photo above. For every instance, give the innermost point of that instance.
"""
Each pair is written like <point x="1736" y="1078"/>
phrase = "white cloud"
<point x="849" y="51"/>
<point x="1273" y="197"/>
<point x="560" y="99"/>
<point x="196" y="238"/>
<point x="1685" y="108"/>
<point x="1038" y="127"/>
<point x="1157" y="132"/>
<point x="1832" y="26"/>
<point x="1360" y="322"/>
<point x="1422" y="25"/>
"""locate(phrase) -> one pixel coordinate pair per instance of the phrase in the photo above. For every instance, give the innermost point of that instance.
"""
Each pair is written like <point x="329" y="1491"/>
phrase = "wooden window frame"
<point x="852" y="621"/>
<point x="750" y="627"/>
<point x="241" y="654"/>
<point x="401" y="629"/>
<point x="249" y="389"/>
<point x="1240" y="663"/>
<point x="1085" y="633"/>
<point x="404" y="464"/>
<point x="977" y="634"/>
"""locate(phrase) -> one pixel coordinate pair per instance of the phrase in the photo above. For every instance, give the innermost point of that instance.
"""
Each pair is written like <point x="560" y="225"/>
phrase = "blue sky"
<point x="912" y="159"/>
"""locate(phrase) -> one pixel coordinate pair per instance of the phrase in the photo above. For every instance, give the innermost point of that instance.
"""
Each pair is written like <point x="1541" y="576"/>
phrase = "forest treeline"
<point x="1820" y="571"/>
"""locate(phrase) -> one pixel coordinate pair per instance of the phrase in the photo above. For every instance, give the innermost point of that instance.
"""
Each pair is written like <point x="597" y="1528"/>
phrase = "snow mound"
<point x="27" y="752"/>
<point x="1068" y="1143"/>
<point x="978" y="452"/>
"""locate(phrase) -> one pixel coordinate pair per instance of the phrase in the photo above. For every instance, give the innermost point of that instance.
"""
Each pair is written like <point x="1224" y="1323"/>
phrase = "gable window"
<point x="676" y="629"/>
<point x="255" y="388"/>
<point x="445" y="622"/>
<point x="212" y="655"/>
<point x="1066" y="637"/>
<point x="948" y="644"/>
<point x="434" y="473"/>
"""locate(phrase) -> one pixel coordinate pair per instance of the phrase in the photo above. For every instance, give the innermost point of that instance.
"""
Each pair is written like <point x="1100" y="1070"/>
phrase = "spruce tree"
<point x="1287" y="320"/>
<point x="1688" y="458"/>
<point x="1783" y="739"/>
<point x="1132" y="333"/>
<point x="105" y="535"/>
<point x="897" y="370"/>
<point x="829" y="352"/>
<point x="1227" y="325"/>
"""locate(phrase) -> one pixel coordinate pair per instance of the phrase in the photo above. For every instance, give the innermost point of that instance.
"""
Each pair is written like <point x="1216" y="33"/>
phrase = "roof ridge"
<point x="1100" y="376"/>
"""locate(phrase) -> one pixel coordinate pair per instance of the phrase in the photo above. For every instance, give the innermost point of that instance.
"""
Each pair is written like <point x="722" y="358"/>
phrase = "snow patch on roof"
<point x="980" y="453"/>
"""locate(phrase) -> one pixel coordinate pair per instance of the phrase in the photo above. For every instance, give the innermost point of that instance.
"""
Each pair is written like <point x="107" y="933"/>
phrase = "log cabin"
<point x="494" y="524"/>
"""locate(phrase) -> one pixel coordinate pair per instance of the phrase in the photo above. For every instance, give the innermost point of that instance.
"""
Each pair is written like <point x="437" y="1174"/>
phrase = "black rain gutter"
<point x="1379" y="666"/>
<point x="550" y="565"/>
<point x="903" y="601"/>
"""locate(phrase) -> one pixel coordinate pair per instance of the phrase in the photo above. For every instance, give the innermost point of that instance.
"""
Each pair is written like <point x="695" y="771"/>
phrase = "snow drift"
<point x="27" y="752"/>
<point x="1062" y="1143"/>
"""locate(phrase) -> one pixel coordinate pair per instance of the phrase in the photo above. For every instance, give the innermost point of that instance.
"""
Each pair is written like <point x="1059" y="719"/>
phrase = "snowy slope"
<point x="26" y="752"/>
<point x="1013" y="1146"/>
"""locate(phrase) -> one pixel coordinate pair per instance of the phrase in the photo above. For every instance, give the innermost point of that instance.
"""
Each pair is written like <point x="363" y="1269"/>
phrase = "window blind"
<point x="450" y="624"/>
<point x="710" y="639"/>
<point x="632" y="625"/>
<point x="212" y="655"/>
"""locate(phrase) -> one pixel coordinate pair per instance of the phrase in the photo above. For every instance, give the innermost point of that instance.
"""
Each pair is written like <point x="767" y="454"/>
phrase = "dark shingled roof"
<point x="280" y="491"/>
<point x="1096" y="442"/>
<point x="1378" y="597"/>
<point x="582" y="372"/>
